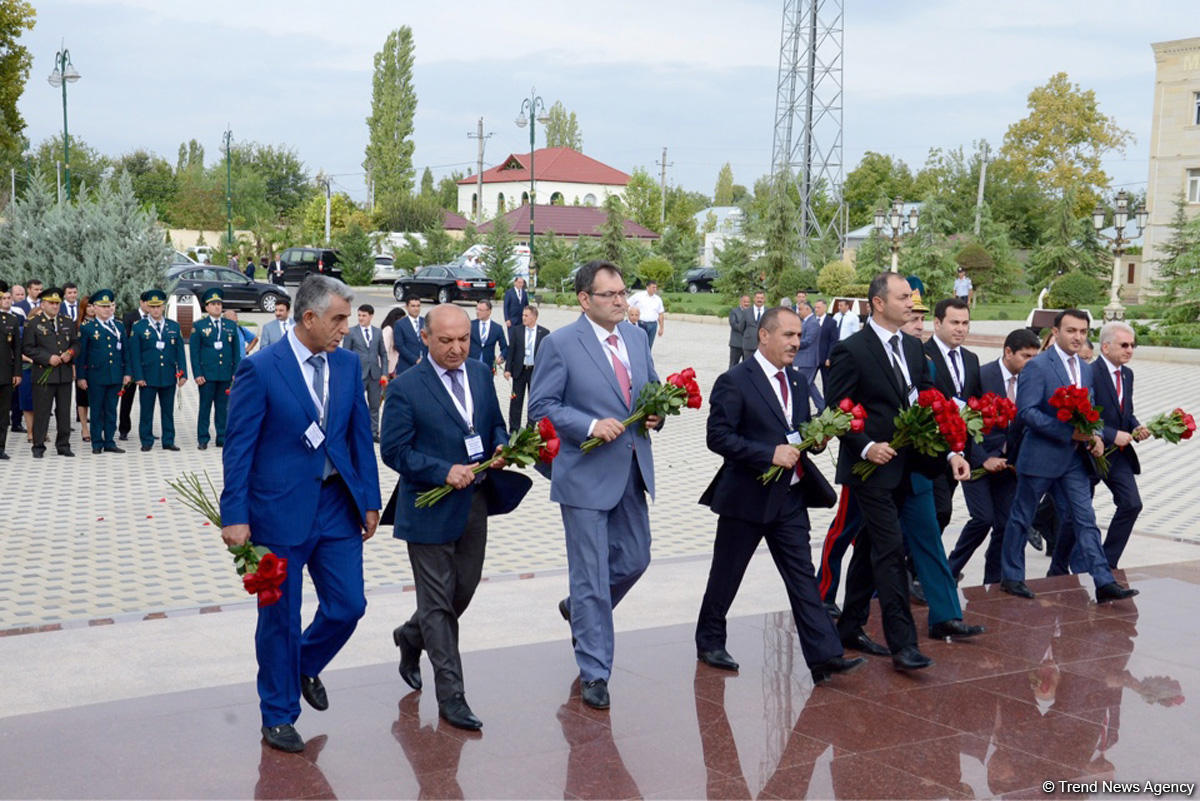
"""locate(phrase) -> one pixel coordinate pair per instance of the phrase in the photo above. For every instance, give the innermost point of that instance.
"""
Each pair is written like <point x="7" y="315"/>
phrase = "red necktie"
<point x="783" y="390"/>
<point x="1120" y="394"/>
<point x="619" y="369"/>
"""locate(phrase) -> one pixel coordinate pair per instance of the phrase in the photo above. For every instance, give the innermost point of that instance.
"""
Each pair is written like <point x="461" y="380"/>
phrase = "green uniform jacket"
<point x="102" y="353"/>
<point x="214" y="349"/>
<point x="46" y="337"/>
<point x="10" y="347"/>
<point x="158" y="367"/>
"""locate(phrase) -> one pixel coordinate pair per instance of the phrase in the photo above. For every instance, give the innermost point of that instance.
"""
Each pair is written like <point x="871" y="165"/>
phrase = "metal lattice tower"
<point x="807" y="146"/>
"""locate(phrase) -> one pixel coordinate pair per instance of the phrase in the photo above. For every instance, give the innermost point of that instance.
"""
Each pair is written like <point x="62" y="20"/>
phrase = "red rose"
<point x="1064" y="414"/>
<point x="674" y="379"/>
<point x="937" y="407"/>
<point x="973" y="403"/>
<point x="687" y="373"/>
<point x="226" y="392"/>
<point x="548" y="451"/>
<point x="253" y="583"/>
<point x="272" y="569"/>
<point x="1092" y="415"/>
<point x="546" y="429"/>
<point x="857" y="425"/>
<point x="1187" y="434"/>
<point x="694" y="401"/>
<point x="269" y="596"/>
<point x="846" y="405"/>
<point x="859" y="412"/>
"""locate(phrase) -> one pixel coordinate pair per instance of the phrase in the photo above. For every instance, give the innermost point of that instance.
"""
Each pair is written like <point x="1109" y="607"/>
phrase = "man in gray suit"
<point x="588" y="379"/>
<point x="737" y="322"/>
<point x="367" y="341"/>
<point x="277" y="329"/>
<point x="808" y="357"/>
<point x="751" y="317"/>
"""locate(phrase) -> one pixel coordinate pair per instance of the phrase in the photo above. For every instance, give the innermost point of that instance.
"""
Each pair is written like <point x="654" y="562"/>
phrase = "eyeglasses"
<point x="1126" y="345"/>
<point x="622" y="294"/>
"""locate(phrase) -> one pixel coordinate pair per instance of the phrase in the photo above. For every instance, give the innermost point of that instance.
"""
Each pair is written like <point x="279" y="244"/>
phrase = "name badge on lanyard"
<point x="160" y="345"/>
<point x="474" y="444"/>
<point x="218" y="345"/>
<point x="794" y="438"/>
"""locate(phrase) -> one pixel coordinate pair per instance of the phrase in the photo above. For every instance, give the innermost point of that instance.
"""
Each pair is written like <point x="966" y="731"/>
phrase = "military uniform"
<point x="213" y="348"/>
<point x="45" y="336"/>
<point x="10" y="367"/>
<point x="102" y="356"/>
<point x="156" y="357"/>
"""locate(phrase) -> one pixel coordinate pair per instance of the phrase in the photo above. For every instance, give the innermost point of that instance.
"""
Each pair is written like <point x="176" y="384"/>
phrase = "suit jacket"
<point x="745" y="424"/>
<point x="215" y="364"/>
<point x="130" y="318"/>
<point x="272" y="332"/>
<point x="63" y="311"/>
<point x="514" y="305"/>
<point x="861" y="369"/>
<point x="373" y="358"/>
<point x="40" y="341"/>
<point x="10" y="347"/>
<point x="1116" y="417"/>
<point x="809" y="354"/>
<point x="102" y="355"/>
<point x="737" y="323"/>
<point x="486" y="351"/>
<point x="516" y="349"/>
<point x="147" y="362"/>
<point x="750" y="328"/>
<point x="1047" y="449"/>
<point x="829" y="338"/>
<point x="943" y="381"/>
<point x="575" y="384"/>
<point x="1000" y="442"/>
<point x="272" y="477"/>
<point x="409" y="347"/>
<point x="422" y="437"/>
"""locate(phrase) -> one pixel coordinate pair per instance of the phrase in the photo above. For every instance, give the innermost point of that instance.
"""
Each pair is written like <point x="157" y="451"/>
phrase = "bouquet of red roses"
<point x="930" y="427"/>
<point x="536" y="442"/>
<point x="1173" y="426"/>
<point x="1074" y="405"/>
<point x="985" y="414"/>
<point x="833" y="422"/>
<point x="658" y="399"/>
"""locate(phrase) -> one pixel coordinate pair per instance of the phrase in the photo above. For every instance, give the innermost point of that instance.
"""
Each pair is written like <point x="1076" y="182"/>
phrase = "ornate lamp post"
<point x="532" y="104"/>
<point x="899" y="225"/>
<point x="1115" y="310"/>
<point x="64" y="73"/>
<point x="228" y="138"/>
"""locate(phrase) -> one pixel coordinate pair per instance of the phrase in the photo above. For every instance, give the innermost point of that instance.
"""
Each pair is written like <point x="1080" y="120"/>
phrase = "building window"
<point x="1193" y="186"/>
<point x="1196" y="110"/>
<point x="500" y="203"/>
<point x="556" y="199"/>
<point x="1129" y="274"/>
<point x="474" y="204"/>
<point x="524" y="198"/>
<point x="589" y="199"/>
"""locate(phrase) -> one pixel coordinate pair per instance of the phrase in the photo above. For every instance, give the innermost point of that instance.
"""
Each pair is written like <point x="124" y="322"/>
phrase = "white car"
<point x="386" y="270"/>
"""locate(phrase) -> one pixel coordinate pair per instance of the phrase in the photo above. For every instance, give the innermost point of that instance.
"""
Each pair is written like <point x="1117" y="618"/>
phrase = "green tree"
<point x="612" y="230"/>
<point x="834" y="277"/>
<point x="16" y="17"/>
<point x="737" y="273"/>
<point x="501" y="255"/>
<point x="355" y="256"/>
<point x="680" y="245"/>
<point x="191" y="156"/>
<point x="87" y="164"/>
<point x="927" y="253"/>
<point x="427" y="189"/>
<point x="1075" y="290"/>
<point x="153" y="180"/>
<point x="341" y="210"/>
<point x="872" y="257"/>
<point x="657" y="269"/>
<point x="1068" y="244"/>
<point x="286" y="184"/>
<point x="780" y="243"/>
<point x="562" y="128"/>
<point x="407" y="213"/>
<point x="390" y="126"/>
<point x="876" y="180"/>
<point x="723" y="194"/>
<point x="643" y="200"/>
<point x="447" y="190"/>
<point x="1178" y="281"/>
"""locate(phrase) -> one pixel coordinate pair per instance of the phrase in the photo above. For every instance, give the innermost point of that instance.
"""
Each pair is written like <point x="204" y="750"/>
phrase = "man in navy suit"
<point x="1113" y="388"/>
<point x="829" y="336"/>
<point x="755" y="411"/>
<point x="1052" y="459"/>
<point x="488" y="341"/>
<point x="441" y="420"/>
<point x="525" y="342"/>
<point x="301" y="479"/>
<point x="406" y="336"/>
<point x="808" y="355"/>
<point x="515" y="301"/>
<point x="588" y="379"/>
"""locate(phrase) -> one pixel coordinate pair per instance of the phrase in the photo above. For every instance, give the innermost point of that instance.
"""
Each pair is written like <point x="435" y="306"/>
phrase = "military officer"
<point x="158" y="366"/>
<point x="10" y="360"/>
<point x="214" y="353"/>
<point x="101" y="370"/>
<point x="50" y="341"/>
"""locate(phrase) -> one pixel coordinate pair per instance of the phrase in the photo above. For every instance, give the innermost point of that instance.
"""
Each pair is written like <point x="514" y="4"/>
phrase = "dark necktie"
<point x="317" y="361"/>
<point x="958" y="381"/>
<point x="901" y="381"/>
<point x="456" y="387"/>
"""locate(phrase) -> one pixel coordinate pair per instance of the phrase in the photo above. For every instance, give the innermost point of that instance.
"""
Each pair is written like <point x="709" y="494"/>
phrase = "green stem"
<point x="595" y="442"/>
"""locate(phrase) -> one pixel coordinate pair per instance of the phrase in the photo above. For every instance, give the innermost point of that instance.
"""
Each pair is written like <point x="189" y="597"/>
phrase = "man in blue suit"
<point x="301" y="479"/>
<point x="515" y="301"/>
<point x="406" y="336"/>
<point x="1113" y="388"/>
<point x="1052" y="460"/>
<point x="588" y="379"/>
<point x="829" y="336"/>
<point x="808" y="356"/>
<point x="442" y="418"/>
<point x="487" y="337"/>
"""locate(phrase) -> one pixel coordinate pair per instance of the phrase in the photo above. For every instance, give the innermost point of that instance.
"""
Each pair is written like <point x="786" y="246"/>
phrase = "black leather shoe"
<point x="594" y="693"/>
<point x="1018" y="588"/>
<point x="170" y="447"/>
<point x="861" y="642"/>
<point x="916" y="595"/>
<point x="114" y="449"/>
<point x="3" y="456"/>
<point x="953" y="628"/>
<point x="39" y="454"/>
<point x="19" y="428"/>
<point x="283" y="738"/>
<point x="718" y="658"/>
<point x="410" y="659"/>
<point x="203" y="446"/>
<point x="313" y="691"/>
<point x="833" y="609"/>
<point x="455" y="711"/>
<point x="1034" y="537"/>
<point x="564" y="610"/>
<point x="909" y="658"/>
<point x="146" y="448"/>
<point x="66" y="452"/>
<point x="1113" y="592"/>
<point x="123" y="437"/>
<point x="824" y="671"/>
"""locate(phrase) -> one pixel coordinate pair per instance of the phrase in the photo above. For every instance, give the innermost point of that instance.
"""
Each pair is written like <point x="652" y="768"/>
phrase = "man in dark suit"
<point x="808" y="357"/>
<point x="366" y="341"/>
<point x="10" y="361"/>
<point x="443" y="419"/>
<point x="70" y="304"/>
<point x="829" y="337"/>
<point x="1052" y="459"/>
<point x="755" y="412"/>
<point x="406" y="336"/>
<point x="990" y="496"/>
<point x="277" y="270"/>
<point x="523" y="346"/>
<point x="124" y="420"/>
<point x="489" y="343"/>
<point x="882" y="369"/>
<point x="301" y="479"/>
<point x="515" y="301"/>
<point x="737" y="324"/>
<point x="955" y="375"/>
<point x="1113" y="388"/>
<point x="751" y="316"/>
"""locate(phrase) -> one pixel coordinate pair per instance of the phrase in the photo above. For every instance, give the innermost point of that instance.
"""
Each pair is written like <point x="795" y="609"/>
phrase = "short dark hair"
<point x="34" y="282"/>
<point x="1021" y="339"/>
<point x="770" y="318"/>
<point x="485" y="302"/>
<point x="879" y="287"/>
<point x="70" y="285"/>
<point x="651" y="282"/>
<point x="284" y="302"/>
<point x="1076" y="313"/>
<point x="368" y="308"/>
<point x="939" y="311"/>
<point x="585" y="279"/>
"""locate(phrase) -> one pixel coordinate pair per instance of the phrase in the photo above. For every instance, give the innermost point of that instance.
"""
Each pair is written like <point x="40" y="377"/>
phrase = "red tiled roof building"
<point x="563" y="177"/>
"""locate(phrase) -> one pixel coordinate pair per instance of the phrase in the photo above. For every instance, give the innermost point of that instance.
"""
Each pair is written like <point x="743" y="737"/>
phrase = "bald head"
<point x="445" y="314"/>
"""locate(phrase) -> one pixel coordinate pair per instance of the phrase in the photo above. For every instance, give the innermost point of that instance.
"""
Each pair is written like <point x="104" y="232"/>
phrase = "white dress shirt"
<point x="621" y="351"/>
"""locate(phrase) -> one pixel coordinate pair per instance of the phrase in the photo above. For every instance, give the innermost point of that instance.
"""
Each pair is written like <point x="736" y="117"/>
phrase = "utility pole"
<point x="982" y="180"/>
<point x="58" y="178"/>
<point x="228" y="187"/>
<point x="327" y="199"/>
<point x="662" y="216"/>
<point x="13" y="193"/>
<point x="479" y="171"/>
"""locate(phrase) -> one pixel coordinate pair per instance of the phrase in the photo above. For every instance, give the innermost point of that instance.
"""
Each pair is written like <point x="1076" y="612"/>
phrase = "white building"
<point x="725" y="222"/>
<point x="563" y="177"/>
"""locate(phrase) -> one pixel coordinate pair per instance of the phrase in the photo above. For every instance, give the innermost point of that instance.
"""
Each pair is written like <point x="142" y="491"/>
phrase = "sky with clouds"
<point x="695" y="76"/>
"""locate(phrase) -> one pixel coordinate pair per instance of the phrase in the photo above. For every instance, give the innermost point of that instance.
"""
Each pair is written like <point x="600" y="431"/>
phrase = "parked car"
<point x="445" y="283"/>
<point x="299" y="262"/>
<point x="239" y="291"/>
<point x="386" y="271"/>
<point x="700" y="279"/>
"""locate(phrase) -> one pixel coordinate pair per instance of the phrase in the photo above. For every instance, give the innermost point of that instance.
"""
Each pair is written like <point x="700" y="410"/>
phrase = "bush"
<point x="407" y="260"/>
<point x="656" y="268"/>
<point x="553" y="273"/>
<point x="792" y="280"/>
<point x="857" y="290"/>
<point x="834" y="278"/>
<point x="354" y="256"/>
<point x="1074" y="291"/>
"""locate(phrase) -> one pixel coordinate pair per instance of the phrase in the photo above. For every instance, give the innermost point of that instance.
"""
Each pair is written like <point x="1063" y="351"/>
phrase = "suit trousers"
<point x="989" y="500"/>
<point x="124" y="422"/>
<point x="333" y="555"/>
<point x="43" y="396"/>
<point x="6" y="397"/>
<point x="607" y="552"/>
<point x="943" y="498"/>
<point x="877" y="567"/>
<point x="923" y="535"/>
<point x="374" y="396"/>
<point x="212" y="394"/>
<point x="1072" y="493"/>
<point x="102" y="410"/>
<point x="788" y="540"/>
<point x="842" y="531"/>
<point x="810" y="378"/>
<point x="520" y="385"/>
<point x="446" y="575"/>
<point x="1122" y="483"/>
<point x="166" y="414"/>
<point x="736" y="354"/>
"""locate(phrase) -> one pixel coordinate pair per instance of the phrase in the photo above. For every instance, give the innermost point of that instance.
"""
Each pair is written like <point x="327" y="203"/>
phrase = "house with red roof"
<point x="567" y="222"/>
<point x="562" y="176"/>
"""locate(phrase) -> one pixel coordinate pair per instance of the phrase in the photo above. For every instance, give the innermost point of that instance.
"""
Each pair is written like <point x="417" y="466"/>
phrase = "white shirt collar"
<point x="1005" y="373"/>
<point x="299" y="348"/>
<point x="1110" y="368"/>
<point x="1065" y="357"/>
<point x="945" y="349"/>
<point x="885" y="336"/>
<point x="603" y="335"/>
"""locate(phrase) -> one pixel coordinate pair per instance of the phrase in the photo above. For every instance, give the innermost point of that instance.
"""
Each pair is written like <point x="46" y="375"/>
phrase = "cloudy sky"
<point x="695" y="76"/>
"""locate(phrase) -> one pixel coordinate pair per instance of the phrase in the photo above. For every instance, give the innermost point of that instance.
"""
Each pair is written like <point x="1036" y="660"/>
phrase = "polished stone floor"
<point x="1057" y="689"/>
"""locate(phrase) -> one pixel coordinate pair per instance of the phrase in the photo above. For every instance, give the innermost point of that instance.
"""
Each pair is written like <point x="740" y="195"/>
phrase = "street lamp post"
<point x="64" y="73"/>
<point x="228" y="188"/>
<point x="1115" y="310"/>
<point x="898" y="223"/>
<point x="533" y="104"/>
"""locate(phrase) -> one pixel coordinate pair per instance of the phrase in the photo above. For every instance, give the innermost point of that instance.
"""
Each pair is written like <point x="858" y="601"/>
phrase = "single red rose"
<point x="546" y="429"/>
<point x="1187" y="434"/>
<point x="675" y="380"/>
<point x="548" y="451"/>
<point x="226" y="392"/>
<point x="1092" y="415"/>
<point x="858" y="412"/>
<point x="272" y="569"/>
<point x="694" y="402"/>
<point x="687" y="373"/>
<point x="846" y="405"/>
<point x="1064" y="414"/>
<point x="269" y="596"/>
<point x="857" y="425"/>
<point x="691" y="386"/>
<point x="253" y="582"/>
<point x="973" y="403"/>
<point x="937" y="406"/>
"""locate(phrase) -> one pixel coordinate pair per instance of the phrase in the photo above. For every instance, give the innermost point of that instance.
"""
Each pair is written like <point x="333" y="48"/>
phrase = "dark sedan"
<point x="445" y="283"/>
<point x="700" y="279"/>
<point x="239" y="292"/>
